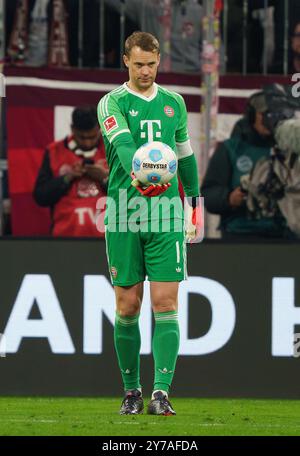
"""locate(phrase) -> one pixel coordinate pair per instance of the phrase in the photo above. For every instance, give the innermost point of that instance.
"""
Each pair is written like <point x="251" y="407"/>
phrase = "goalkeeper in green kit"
<point x="135" y="113"/>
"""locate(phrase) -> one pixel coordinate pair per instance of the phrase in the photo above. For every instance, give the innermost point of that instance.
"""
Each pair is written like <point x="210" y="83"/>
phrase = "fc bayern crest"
<point x="169" y="111"/>
<point x="114" y="272"/>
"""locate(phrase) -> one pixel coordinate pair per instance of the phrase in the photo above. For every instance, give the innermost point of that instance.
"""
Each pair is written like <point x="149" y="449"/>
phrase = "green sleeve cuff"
<point x="188" y="173"/>
<point x="126" y="148"/>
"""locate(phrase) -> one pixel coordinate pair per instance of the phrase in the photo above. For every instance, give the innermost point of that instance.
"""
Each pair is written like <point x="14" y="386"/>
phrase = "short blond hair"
<point x="143" y="40"/>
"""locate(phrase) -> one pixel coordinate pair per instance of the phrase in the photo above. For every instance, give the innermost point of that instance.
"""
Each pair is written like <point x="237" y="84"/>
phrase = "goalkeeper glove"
<point x="149" y="190"/>
<point x="194" y="220"/>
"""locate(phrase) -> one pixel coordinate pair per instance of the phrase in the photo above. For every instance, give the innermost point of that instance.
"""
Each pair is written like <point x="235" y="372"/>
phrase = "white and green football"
<point x="154" y="163"/>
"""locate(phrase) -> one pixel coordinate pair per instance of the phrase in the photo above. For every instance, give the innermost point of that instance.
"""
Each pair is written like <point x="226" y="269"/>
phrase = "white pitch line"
<point x="149" y="423"/>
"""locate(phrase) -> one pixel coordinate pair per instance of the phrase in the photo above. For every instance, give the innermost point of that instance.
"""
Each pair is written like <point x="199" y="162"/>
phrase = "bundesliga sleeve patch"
<point x="110" y="124"/>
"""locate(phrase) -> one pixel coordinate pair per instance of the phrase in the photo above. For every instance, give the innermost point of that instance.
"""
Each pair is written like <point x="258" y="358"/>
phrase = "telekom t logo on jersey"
<point x="153" y="129"/>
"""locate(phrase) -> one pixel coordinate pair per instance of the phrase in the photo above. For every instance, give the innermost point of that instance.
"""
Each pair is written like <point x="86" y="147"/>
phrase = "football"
<point x="154" y="163"/>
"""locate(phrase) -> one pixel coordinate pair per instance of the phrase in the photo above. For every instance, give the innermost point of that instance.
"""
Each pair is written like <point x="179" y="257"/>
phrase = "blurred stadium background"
<point x="239" y="313"/>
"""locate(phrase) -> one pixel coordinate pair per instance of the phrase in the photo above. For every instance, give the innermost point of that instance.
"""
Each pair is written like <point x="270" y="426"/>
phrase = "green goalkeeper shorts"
<point x="134" y="256"/>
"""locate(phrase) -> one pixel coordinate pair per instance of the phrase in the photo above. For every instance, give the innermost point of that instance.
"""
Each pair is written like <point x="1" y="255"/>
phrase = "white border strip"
<point x="177" y="252"/>
<point x="99" y="87"/>
<point x="54" y="84"/>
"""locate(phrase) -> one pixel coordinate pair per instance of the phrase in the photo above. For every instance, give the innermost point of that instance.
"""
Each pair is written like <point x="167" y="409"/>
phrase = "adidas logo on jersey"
<point x="178" y="269"/>
<point x="133" y="113"/>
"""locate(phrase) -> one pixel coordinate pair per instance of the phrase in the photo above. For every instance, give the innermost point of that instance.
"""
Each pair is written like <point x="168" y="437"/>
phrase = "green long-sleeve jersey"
<point x="129" y="120"/>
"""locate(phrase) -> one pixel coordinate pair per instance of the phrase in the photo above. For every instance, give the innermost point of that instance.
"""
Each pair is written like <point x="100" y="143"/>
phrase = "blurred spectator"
<point x="295" y="50"/>
<point x="38" y="19"/>
<point x="91" y="34"/>
<point x="274" y="184"/>
<point x="235" y="36"/>
<point x="38" y="34"/>
<point x="279" y="24"/>
<point x="274" y="41"/>
<point x="186" y="28"/>
<point x="73" y="176"/>
<point x="234" y="158"/>
<point x="37" y="31"/>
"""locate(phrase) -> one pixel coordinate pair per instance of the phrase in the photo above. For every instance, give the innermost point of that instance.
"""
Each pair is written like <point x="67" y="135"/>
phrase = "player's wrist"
<point x="193" y="201"/>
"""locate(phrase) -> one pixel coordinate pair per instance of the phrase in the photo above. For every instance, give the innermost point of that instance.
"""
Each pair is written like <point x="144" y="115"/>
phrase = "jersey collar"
<point x="139" y="95"/>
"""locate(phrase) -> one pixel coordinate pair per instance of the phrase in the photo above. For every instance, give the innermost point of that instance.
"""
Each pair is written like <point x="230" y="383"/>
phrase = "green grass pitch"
<point x="195" y="417"/>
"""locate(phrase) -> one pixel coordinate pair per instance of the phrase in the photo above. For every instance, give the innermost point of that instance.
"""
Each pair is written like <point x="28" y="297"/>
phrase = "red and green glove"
<point x="149" y="190"/>
<point x="194" y="220"/>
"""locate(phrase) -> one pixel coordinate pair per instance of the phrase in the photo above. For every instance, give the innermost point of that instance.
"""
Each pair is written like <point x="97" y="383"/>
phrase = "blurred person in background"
<point x="178" y="27"/>
<point x="293" y="11"/>
<point x="73" y="175"/>
<point x="184" y="19"/>
<point x="250" y="141"/>
<point x="261" y="17"/>
<point x="235" y="34"/>
<point x="273" y="187"/>
<point x="28" y="33"/>
<point x="295" y="50"/>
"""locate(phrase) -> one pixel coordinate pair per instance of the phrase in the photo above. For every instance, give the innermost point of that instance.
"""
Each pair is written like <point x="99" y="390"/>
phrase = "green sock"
<point x="127" y="340"/>
<point x="165" y="346"/>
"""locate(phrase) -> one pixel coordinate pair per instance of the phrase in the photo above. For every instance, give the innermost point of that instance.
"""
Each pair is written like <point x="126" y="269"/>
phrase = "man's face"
<point x="142" y="67"/>
<point x="296" y="39"/>
<point x="86" y="139"/>
<point x="259" y="125"/>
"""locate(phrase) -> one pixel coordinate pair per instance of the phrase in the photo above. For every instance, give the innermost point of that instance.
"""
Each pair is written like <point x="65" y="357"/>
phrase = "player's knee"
<point x="130" y="312"/>
<point x="164" y="304"/>
<point x="129" y="306"/>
